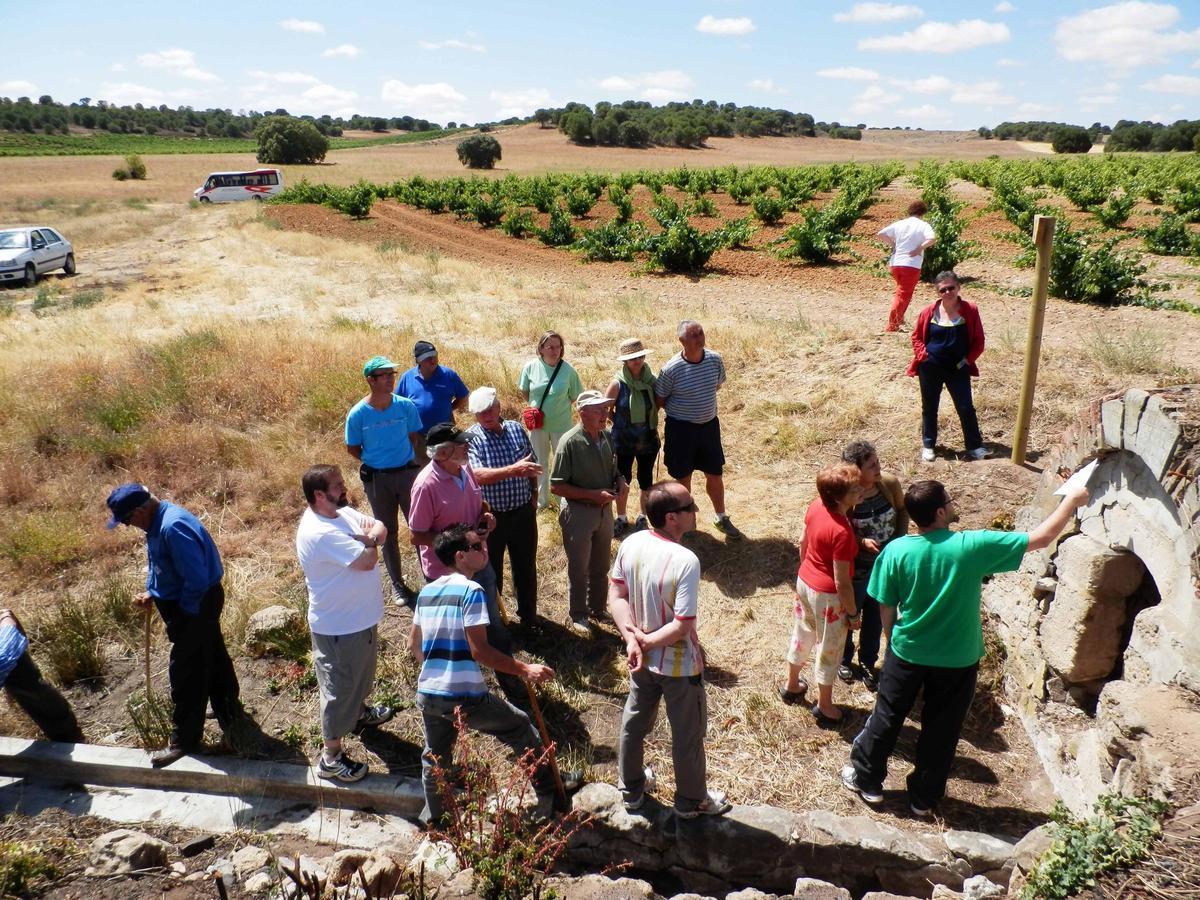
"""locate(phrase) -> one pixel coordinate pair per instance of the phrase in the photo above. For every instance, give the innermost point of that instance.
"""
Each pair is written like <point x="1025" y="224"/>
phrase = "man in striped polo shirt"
<point x="449" y="639"/>
<point x="654" y="596"/>
<point x="687" y="389"/>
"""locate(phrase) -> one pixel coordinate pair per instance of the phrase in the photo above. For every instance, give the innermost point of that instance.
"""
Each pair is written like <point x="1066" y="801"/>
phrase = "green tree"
<point x="287" y="140"/>
<point x="1071" y="139"/>
<point x="479" y="151"/>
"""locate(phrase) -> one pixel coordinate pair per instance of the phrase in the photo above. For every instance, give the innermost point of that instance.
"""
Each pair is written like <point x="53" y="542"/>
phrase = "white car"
<point x="26" y="253"/>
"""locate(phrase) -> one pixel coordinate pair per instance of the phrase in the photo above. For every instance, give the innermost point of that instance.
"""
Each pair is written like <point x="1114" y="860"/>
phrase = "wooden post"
<point x="1043" y="239"/>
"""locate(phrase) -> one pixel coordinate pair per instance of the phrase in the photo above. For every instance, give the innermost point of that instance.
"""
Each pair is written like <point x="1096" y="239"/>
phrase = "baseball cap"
<point x="481" y="399"/>
<point x="124" y="500"/>
<point x="375" y="363"/>
<point x="422" y="350"/>
<point x="591" y="398"/>
<point x="446" y="433"/>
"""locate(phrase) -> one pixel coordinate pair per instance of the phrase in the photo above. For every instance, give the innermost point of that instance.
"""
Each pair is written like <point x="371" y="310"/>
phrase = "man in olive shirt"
<point x="585" y="477"/>
<point x="928" y="586"/>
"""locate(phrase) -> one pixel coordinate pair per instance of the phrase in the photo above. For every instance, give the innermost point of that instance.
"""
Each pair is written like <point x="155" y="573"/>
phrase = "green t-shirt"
<point x="934" y="580"/>
<point x="563" y="392"/>
<point x="585" y="463"/>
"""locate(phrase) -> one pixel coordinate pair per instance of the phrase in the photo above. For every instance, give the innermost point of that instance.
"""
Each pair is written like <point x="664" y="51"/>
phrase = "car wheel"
<point x="205" y="200"/>
<point x="69" y="265"/>
<point x="258" y="197"/>
<point x="30" y="275"/>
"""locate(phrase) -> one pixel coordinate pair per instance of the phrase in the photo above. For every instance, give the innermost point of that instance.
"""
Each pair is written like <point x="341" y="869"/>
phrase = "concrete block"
<point x="1157" y="438"/>
<point x="1135" y="403"/>
<point x="1112" y="421"/>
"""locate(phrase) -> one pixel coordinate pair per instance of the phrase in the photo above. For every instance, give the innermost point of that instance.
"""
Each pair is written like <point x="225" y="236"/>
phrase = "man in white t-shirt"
<point x="338" y="549"/>
<point x="909" y="239"/>
<point x="654" y="597"/>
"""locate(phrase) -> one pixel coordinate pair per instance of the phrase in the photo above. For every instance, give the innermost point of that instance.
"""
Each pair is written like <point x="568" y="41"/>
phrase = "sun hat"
<point x="422" y="350"/>
<point x="375" y="363"/>
<point x="591" y="398"/>
<point x="631" y="348"/>
<point x="481" y="400"/>
<point x="124" y="500"/>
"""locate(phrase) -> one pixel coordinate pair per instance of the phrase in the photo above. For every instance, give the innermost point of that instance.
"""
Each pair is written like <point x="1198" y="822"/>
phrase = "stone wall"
<point x="1103" y="628"/>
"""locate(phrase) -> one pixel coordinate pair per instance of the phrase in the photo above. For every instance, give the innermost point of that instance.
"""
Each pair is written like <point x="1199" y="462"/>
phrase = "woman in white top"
<point x="909" y="239"/>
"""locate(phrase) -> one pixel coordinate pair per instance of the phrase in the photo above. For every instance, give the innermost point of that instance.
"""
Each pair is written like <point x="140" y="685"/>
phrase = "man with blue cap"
<point x="383" y="432"/>
<point x="183" y="580"/>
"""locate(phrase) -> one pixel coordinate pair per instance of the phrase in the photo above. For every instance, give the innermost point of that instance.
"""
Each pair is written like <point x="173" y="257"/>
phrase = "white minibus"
<point x="221" y="187"/>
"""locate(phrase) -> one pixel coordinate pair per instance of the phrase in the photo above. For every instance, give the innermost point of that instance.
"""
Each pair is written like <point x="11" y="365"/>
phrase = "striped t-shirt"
<point x="663" y="581"/>
<point x="446" y="607"/>
<point x="690" y="389"/>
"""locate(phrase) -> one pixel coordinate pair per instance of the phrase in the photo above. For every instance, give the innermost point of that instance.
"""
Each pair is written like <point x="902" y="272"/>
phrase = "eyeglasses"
<point x="478" y="545"/>
<point x="391" y="374"/>
<point x="947" y="289"/>
<point x="691" y="507"/>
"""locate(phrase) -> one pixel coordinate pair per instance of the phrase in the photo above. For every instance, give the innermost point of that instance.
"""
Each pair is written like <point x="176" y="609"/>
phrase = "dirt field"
<point x="527" y="149"/>
<point x="281" y="306"/>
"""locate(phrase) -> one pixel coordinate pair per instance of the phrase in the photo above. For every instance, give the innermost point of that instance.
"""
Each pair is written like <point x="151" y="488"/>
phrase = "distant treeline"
<point x="47" y="116"/>
<point x="1125" y="135"/>
<point x="636" y="123"/>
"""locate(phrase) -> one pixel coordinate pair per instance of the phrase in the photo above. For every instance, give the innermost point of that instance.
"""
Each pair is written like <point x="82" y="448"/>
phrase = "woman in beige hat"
<point x="634" y="428"/>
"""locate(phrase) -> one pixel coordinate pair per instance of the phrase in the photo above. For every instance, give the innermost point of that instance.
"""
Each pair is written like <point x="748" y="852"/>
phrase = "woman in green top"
<point x="555" y="403"/>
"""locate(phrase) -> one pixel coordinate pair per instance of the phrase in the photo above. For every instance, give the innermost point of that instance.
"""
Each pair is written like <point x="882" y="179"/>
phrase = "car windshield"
<point x="12" y="240"/>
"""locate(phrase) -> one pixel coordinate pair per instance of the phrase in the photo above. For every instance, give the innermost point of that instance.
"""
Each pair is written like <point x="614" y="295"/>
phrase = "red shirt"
<point x="828" y="536"/>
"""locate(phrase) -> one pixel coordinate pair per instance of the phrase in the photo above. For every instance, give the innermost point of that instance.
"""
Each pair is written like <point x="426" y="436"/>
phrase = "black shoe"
<point x="870" y="679"/>
<point x="167" y="755"/>
<point x="621" y="527"/>
<point x="846" y="673"/>
<point x="403" y="595"/>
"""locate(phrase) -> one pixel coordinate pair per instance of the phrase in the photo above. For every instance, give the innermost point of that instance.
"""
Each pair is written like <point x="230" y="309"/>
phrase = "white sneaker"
<point x="927" y="454"/>
<point x="581" y="628"/>
<point x="850" y="782"/>
<point x="980" y="453"/>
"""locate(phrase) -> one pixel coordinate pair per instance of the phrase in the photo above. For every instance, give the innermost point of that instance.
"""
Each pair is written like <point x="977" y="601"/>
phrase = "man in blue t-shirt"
<point x="449" y="639"/>
<point x="383" y="431"/>
<point x="183" y="581"/>
<point x="438" y="391"/>
<point x="928" y="586"/>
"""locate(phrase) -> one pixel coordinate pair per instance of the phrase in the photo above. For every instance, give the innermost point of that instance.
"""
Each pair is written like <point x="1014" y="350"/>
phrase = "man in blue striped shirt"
<point x="449" y="639"/>
<point x="687" y="389"/>
<point x="503" y="464"/>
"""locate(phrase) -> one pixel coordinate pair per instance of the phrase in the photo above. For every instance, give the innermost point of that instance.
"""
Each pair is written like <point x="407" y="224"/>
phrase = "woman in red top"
<point x="825" y="605"/>
<point x="947" y="339"/>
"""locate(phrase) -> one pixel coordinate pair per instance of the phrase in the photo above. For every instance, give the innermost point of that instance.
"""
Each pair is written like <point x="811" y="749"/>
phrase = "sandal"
<point x="793" y="698"/>
<point x="824" y="721"/>
<point x="714" y="804"/>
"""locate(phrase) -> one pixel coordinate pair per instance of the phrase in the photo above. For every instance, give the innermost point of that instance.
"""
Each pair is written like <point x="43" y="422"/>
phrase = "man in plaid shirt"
<point x="503" y="463"/>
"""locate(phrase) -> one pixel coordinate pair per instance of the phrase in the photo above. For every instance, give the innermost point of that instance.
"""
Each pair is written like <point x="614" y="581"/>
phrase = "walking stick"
<point x="147" y="646"/>
<point x="541" y="724"/>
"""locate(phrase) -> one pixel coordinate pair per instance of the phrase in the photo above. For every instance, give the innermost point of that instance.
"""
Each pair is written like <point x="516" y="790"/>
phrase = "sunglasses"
<point x="691" y="507"/>
<point x="478" y="545"/>
<point x="947" y="289"/>
<point x="383" y="374"/>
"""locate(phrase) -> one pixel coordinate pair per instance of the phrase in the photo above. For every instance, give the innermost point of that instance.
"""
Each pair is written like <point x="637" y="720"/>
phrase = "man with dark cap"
<point x="383" y="431"/>
<point x="183" y="580"/>
<point x="437" y="390"/>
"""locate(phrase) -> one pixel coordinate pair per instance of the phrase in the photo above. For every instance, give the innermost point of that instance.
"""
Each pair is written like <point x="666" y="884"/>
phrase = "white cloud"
<point x="725" y="27"/>
<point x="304" y="26"/>
<point x="176" y="60"/>
<point x="925" y="114"/>
<point x="872" y="13"/>
<point x="669" y="84"/>
<point x="451" y="44"/>
<point x="1036" y="109"/>
<point x="1091" y="101"/>
<point x="17" y="88"/>
<point x="117" y="67"/>
<point x="284" y="77"/>
<point x="435" y="100"/>
<point x="1003" y="7"/>
<point x="766" y="86"/>
<point x="1124" y="35"/>
<point x="942" y="37"/>
<point x="519" y="102"/>
<point x="874" y="99"/>
<point x="298" y="93"/>
<point x="849" y="73"/>
<point x="934" y="84"/>
<point x="982" y="93"/>
<point x="1174" y="84"/>
<point x="126" y="93"/>
<point x="1006" y="63"/>
<point x="347" y="51"/>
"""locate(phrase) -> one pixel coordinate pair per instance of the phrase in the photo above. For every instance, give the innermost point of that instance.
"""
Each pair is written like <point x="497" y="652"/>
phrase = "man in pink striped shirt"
<point x="653" y="596"/>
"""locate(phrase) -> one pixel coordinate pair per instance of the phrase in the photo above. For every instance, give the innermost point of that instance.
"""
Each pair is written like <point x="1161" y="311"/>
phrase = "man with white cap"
<point x="585" y="476"/>
<point x="503" y="463"/>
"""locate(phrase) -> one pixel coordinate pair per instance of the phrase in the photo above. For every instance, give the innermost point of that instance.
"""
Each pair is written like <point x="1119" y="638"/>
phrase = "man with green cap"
<point x="382" y="430"/>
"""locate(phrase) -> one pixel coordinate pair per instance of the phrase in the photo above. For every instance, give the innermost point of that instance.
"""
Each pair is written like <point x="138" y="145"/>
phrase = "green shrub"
<point x="613" y="241"/>
<point x="680" y="247"/>
<point x="487" y="211"/>
<point x="25" y="868"/>
<point x="768" y="209"/>
<point x="815" y="238"/>
<point x="1171" y="237"/>
<point x="121" y="174"/>
<point x="559" y="232"/>
<point x="135" y="167"/>
<point x="742" y="189"/>
<point x="518" y="222"/>
<point x="86" y="298"/>
<point x="290" y="141"/>
<point x="579" y="202"/>
<point x="1114" y="213"/>
<point x="479" y="151"/>
<point x="304" y="191"/>
<point x="355" y="201"/>
<point x="41" y="541"/>
<point x="541" y="195"/>
<point x="69" y="641"/>
<point x="619" y="197"/>
<point x="150" y="718"/>
<point x="738" y="231"/>
<point x="1120" y="832"/>
<point x="700" y="205"/>
<point x="1071" y="139"/>
<point x="1091" y="271"/>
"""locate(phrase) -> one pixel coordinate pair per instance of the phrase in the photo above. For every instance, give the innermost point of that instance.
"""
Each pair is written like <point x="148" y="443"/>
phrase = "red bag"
<point x="533" y="418"/>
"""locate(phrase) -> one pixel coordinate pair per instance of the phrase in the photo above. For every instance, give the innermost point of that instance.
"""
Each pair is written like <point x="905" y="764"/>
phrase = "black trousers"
<point x="948" y="695"/>
<point x="516" y="531"/>
<point x="200" y="669"/>
<point x="42" y="702"/>
<point x="933" y="378"/>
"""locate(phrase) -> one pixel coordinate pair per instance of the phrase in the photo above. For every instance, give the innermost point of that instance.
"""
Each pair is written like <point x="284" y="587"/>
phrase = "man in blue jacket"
<point x="183" y="580"/>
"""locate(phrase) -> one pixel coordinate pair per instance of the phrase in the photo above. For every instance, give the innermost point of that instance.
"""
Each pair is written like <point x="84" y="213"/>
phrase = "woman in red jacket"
<point x="947" y="339"/>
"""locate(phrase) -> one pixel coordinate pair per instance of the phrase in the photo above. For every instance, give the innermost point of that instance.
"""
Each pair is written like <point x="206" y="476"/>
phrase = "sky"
<point x="952" y="65"/>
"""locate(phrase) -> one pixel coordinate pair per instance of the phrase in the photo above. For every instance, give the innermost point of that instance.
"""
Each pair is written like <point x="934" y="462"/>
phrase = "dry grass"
<point x="221" y="362"/>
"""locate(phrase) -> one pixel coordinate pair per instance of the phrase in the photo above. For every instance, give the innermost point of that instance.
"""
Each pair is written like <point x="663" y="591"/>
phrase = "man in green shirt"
<point x="928" y="586"/>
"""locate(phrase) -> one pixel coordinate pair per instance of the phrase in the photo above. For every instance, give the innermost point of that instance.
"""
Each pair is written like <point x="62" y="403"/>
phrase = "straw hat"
<point x="631" y="348"/>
